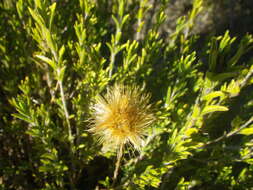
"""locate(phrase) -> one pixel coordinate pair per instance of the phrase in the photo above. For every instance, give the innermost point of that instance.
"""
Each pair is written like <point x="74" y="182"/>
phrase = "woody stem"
<point x="119" y="157"/>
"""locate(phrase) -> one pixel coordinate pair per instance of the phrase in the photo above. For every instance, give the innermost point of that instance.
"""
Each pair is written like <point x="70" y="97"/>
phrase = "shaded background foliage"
<point x="194" y="57"/>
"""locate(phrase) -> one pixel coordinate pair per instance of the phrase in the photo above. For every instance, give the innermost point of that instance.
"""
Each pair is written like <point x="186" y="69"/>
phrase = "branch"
<point x="246" y="79"/>
<point x="65" y="108"/>
<point x="232" y="133"/>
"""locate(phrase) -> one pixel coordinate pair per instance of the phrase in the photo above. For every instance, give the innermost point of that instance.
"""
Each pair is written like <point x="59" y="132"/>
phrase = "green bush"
<point x="58" y="56"/>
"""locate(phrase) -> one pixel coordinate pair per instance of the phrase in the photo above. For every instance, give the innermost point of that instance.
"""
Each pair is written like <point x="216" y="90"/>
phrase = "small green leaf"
<point x="44" y="168"/>
<point x="233" y="88"/>
<point x="247" y="131"/>
<point x="109" y="46"/>
<point x="196" y="112"/>
<point x="52" y="13"/>
<point x="81" y="146"/>
<point x="47" y="60"/>
<point x="190" y="131"/>
<point x="125" y="19"/>
<point x="65" y="168"/>
<point x="22" y="117"/>
<point x="60" y="73"/>
<point x="222" y="76"/>
<point x="48" y="156"/>
<point x="213" y="55"/>
<point x="20" y="8"/>
<point x="34" y="132"/>
<point x="116" y="22"/>
<point x="50" y="42"/>
<point x="213" y="108"/>
<point x="118" y="36"/>
<point x="213" y="95"/>
<point x="37" y="17"/>
<point x="61" y="52"/>
<point x="38" y="4"/>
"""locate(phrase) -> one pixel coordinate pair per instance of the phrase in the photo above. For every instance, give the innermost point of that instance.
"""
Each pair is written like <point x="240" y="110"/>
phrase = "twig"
<point x="65" y="108"/>
<point x="138" y="33"/>
<point x="230" y="134"/>
<point x="246" y="79"/>
<point x="69" y="133"/>
<point x="112" y="60"/>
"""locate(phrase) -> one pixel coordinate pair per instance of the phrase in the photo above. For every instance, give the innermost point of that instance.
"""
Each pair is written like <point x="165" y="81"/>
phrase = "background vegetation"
<point x="193" y="57"/>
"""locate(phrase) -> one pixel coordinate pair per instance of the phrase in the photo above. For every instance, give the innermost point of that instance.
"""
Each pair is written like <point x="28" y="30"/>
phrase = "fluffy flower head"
<point x="122" y="116"/>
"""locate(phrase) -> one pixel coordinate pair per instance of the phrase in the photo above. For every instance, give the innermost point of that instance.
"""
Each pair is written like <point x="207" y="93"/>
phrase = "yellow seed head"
<point x="122" y="116"/>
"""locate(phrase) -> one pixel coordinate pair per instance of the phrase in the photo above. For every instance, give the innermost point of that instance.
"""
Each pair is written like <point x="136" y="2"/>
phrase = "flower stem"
<point x="116" y="171"/>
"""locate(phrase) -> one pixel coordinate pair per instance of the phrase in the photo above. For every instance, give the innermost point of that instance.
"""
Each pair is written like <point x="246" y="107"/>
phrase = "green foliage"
<point x="57" y="56"/>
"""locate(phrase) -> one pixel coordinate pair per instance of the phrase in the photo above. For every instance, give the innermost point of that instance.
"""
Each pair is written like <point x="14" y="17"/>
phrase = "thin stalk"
<point x="138" y="33"/>
<point x="119" y="157"/>
<point x="49" y="83"/>
<point x="65" y="108"/>
<point x="114" y="50"/>
<point x="231" y="133"/>
<point x="112" y="60"/>
<point x="246" y="79"/>
<point x="69" y="133"/>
